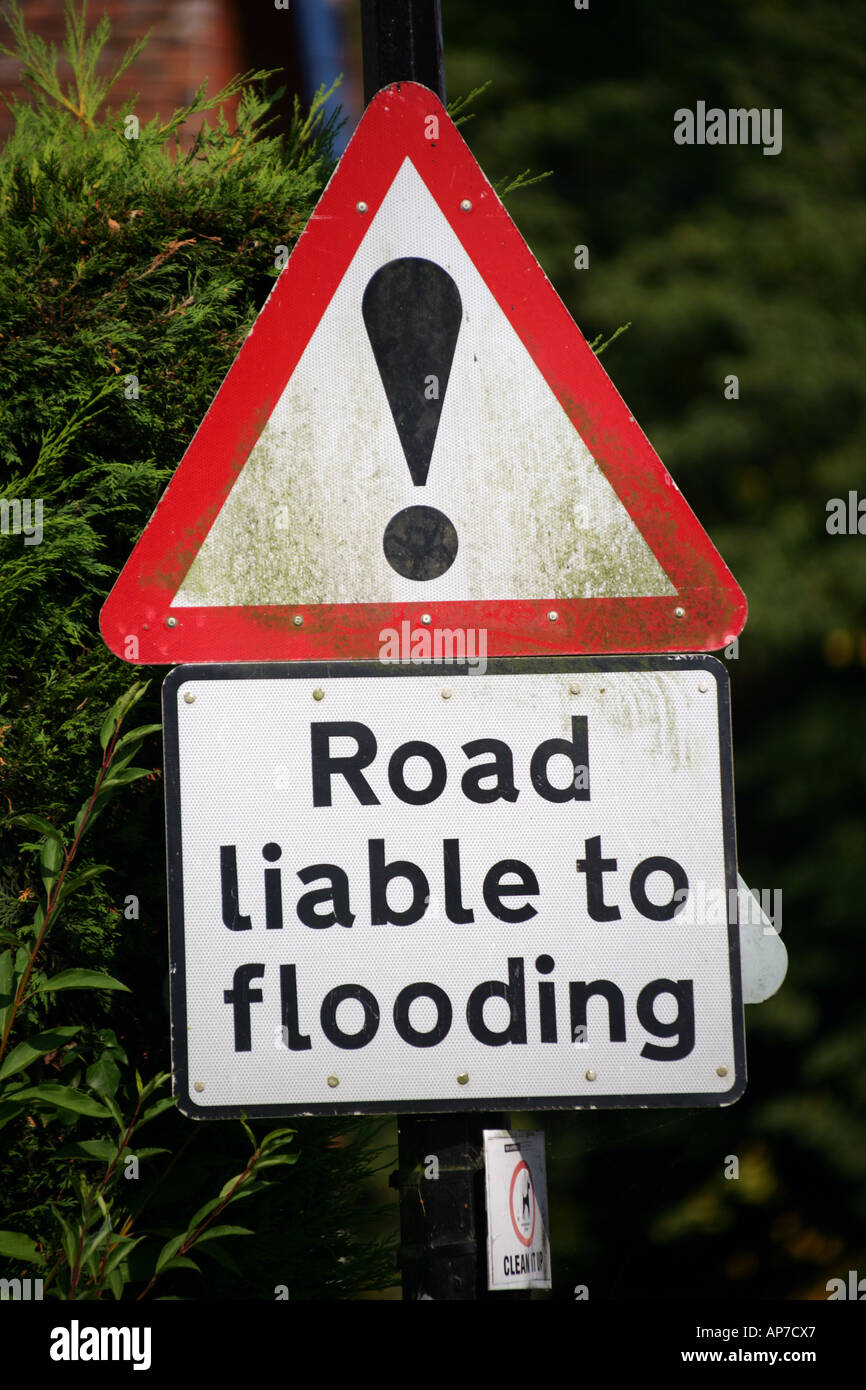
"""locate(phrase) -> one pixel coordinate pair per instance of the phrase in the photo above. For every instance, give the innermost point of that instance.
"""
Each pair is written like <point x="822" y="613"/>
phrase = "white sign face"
<point x="518" y="1241"/>
<point x="451" y="887"/>
<point x="274" y="543"/>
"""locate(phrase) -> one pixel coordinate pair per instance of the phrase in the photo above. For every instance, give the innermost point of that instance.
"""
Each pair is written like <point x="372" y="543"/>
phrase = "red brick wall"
<point x="191" y="40"/>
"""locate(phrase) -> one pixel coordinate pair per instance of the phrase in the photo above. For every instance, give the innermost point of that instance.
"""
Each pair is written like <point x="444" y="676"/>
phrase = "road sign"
<point x="518" y="1241"/>
<point x="416" y="430"/>
<point x="441" y="888"/>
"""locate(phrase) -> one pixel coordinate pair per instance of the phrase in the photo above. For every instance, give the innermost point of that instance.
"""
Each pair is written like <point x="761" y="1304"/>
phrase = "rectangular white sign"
<point x="518" y="1239"/>
<point x="427" y="888"/>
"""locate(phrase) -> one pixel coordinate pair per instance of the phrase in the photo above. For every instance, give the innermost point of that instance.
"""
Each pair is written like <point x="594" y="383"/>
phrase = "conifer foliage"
<point x="132" y="265"/>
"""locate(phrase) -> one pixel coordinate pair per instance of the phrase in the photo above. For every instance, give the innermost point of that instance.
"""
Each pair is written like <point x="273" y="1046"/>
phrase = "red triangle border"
<point x="709" y="608"/>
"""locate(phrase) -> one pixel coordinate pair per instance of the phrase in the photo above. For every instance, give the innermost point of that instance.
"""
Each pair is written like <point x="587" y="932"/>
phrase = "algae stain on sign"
<point x="649" y="707"/>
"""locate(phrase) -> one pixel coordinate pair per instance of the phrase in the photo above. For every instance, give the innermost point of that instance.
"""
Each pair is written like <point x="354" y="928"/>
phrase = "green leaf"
<point x="113" y="1110"/>
<point x="203" y="1212"/>
<point x="168" y="1251"/>
<point x="123" y="776"/>
<point x="80" y="979"/>
<point x="137" y="734"/>
<point x="215" y="1232"/>
<point x="7" y="991"/>
<point x="249" y="1187"/>
<point x="103" y="1076"/>
<point x="68" y="1237"/>
<point x="98" y="1237"/>
<point x="124" y="1248"/>
<point x="180" y="1262"/>
<point x="276" y="1161"/>
<point x="37" y="1046"/>
<point x="36" y="823"/>
<point x="8" y="1111"/>
<point x="277" y="1138"/>
<point x="227" y="1187"/>
<point x="108" y="1038"/>
<point x="19" y="1247"/>
<point x="118" y="712"/>
<point x="116" y="1283"/>
<point x="50" y="861"/>
<point x="101" y="1149"/>
<point x="157" y="1109"/>
<point x="73" y="882"/>
<point x="110" y="723"/>
<point x="133" y="695"/>
<point x="96" y="808"/>
<point x="65" y="1097"/>
<point x="124" y="759"/>
<point x="154" y="1084"/>
<point x="82" y="1188"/>
<point x="82" y="812"/>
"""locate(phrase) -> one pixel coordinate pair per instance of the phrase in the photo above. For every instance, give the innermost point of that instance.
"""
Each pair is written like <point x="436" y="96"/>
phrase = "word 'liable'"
<point x="330" y="904"/>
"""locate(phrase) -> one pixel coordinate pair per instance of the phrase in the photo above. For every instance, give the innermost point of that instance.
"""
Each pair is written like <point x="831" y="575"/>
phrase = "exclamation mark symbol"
<point x="412" y="314"/>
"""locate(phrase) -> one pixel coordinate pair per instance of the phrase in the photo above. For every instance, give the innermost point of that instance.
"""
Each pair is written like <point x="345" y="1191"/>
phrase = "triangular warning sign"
<point x="416" y="432"/>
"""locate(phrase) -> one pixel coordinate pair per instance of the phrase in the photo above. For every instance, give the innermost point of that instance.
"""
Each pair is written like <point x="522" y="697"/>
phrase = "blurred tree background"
<point x="724" y="260"/>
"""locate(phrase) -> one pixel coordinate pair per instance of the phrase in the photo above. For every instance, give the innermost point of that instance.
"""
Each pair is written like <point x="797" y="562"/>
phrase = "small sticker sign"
<point x="518" y="1244"/>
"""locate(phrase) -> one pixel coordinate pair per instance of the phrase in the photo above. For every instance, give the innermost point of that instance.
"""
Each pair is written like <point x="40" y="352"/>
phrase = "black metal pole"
<point x="443" y="1225"/>
<point x="402" y="42"/>
<point x="443" y="1221"/>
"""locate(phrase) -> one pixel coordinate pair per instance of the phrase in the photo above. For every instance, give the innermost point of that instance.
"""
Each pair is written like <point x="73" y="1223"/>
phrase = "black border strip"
<point x="500" y="666"/>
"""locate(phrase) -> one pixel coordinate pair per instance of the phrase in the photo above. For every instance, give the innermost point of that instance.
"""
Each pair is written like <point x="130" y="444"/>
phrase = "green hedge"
<point x="131" y="269"/>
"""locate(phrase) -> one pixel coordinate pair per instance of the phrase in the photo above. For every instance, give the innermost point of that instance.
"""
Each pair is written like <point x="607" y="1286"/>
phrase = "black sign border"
<point x="499" y="666"/>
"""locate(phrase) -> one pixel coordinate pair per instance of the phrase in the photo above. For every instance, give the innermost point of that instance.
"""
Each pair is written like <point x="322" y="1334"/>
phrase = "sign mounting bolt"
<point x="679" y="612"/>
<point x="171" y="622"/>
<point x="553" y="616"/>
<point x="426" y="619"/>
<point x="447" y="692"/>
<point x="198" y="1085"/>
<point x="591" y="1075"/>
<point x="703" y="687"/>
<point x="574" y="690"/>
<point x="318" y="694"/>
<point x="189" y="698"/>
<point x="721" y="1071"/>
<point x="361" y="207"/>
<point x="333" y="1081"/>
<point x="298" y="620"/>
<point x="465" y="205"/>
<point x="463" y="1079"/>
